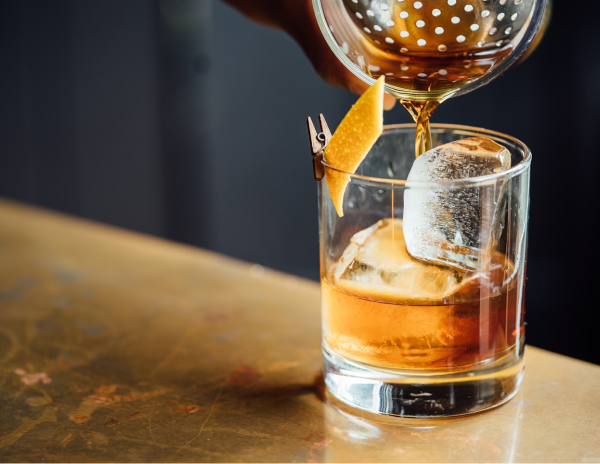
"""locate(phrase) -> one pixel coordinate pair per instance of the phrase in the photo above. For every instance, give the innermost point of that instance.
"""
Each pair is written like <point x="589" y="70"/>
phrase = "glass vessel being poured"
<point x="430" y="50"/>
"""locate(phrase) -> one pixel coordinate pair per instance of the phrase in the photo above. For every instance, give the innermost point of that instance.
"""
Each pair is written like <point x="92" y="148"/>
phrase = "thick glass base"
<point x="423" y="394"/>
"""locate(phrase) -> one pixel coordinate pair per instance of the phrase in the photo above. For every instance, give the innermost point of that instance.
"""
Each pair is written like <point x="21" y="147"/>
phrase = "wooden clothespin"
<point x="318" y="142"/>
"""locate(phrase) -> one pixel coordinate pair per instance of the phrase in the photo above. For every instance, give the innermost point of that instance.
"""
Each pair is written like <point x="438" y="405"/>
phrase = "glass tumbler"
<point x="413" y="338"/>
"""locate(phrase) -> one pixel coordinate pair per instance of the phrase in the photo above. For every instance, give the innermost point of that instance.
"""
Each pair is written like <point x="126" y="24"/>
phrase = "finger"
<point x="327" y="64"/>
<point x="388" y="102"/>
<point x="355" y="85"/>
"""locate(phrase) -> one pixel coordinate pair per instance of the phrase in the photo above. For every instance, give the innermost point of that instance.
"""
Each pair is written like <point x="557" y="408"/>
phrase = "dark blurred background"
<point x="182" y="119"/>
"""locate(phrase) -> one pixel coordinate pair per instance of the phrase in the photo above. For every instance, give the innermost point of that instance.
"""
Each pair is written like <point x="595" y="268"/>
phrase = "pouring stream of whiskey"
<point x="393" y="229"/>
<point x="421" y="112"/>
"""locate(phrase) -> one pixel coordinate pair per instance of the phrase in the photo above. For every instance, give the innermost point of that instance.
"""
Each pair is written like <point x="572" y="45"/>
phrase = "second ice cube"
<point x="452" y="224"/>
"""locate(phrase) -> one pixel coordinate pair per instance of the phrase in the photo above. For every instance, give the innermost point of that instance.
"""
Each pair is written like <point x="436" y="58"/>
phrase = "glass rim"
<point x="456" y="128"/>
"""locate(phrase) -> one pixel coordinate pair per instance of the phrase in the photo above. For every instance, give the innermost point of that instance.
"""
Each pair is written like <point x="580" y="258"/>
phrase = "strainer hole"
<point x="377" y="28"/>
<point x="383" y="6"/>
<point x="439" y="30"/>
<point x="468" y="8"/>
<point x="442" y="48"/>
<point x="485" y="13"/>
<point x="358" y="15"/>
<point x="370" y="13"/>
<point x="404" y="34"/>
<point x="513" y="17"/>
<point x="460" y="38"/>
<point x="436" y="12"/>
<point x="404" y="15"/>
<point x="455" y="20"/>
<point x="443" y="72"/>
<point x="390" y="23"/>
<point x="420" y="23"/>
<point x="474" y="27"/>
<point x="367" y="30"/>
<point x="389" y="40"/>
<point x="493" y="30"/>
<point x="508" y="30"/>
<point x="451" y="2"/>
<point x="500" y="16"/>
<point x="417" y="5"/>
<point x="421" y="42"/>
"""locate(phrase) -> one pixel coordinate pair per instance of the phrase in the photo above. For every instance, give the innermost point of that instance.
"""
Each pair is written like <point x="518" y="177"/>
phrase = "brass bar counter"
<point x="115" y="346"/>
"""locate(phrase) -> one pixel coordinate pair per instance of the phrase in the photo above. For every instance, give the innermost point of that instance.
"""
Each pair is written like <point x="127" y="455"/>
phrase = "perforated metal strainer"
<point x="429" y="48"/>
<point x="439" y="26"/>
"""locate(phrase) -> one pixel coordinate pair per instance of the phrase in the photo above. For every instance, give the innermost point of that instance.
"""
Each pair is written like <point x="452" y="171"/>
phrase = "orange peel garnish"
<point x="352" y="141"/>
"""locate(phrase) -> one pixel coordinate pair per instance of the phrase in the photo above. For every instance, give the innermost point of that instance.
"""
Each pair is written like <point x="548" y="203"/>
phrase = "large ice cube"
<point x="454" y="226"/>
<point x="376" y="266"/>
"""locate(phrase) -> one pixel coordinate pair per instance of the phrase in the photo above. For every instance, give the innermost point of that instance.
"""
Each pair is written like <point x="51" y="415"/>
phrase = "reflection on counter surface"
<point x="410" y="440"/>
